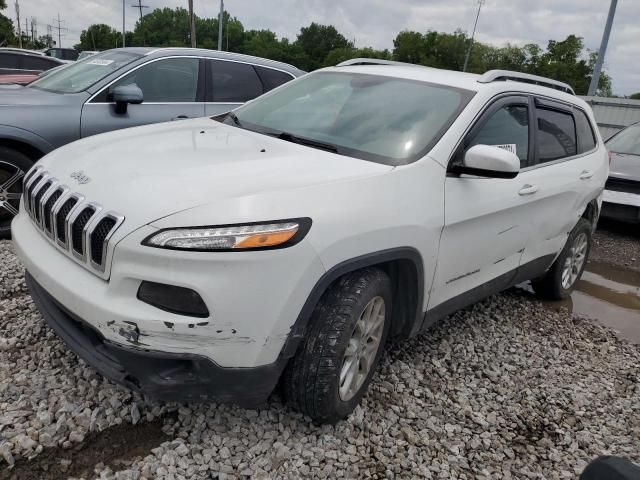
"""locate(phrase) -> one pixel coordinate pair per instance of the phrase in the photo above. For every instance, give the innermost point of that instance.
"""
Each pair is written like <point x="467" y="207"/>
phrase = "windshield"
<point x="627" y="141"/>
<point x="81" y="75"/>
<point x="383" y="119"/>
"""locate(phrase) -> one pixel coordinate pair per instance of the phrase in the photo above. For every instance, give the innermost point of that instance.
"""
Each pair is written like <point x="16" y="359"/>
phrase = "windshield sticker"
<point x="509" y="147"/>
<point x="100" y="61"/>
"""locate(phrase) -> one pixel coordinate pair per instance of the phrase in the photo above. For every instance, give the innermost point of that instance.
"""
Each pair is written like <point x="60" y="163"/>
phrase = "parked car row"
<point x="286" y="239"/>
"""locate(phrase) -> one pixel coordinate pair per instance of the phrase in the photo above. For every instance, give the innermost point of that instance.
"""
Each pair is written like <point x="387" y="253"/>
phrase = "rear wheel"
<point x="331" y="371"/>
<point x="13" y="166"/>
<point x="561" y="279"/>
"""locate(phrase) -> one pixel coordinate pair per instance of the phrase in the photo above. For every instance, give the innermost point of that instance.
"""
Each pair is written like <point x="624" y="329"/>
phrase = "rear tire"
<point x="13" y="167"/>
<point x="333" y="367"/>
<point x="561" y="279"/>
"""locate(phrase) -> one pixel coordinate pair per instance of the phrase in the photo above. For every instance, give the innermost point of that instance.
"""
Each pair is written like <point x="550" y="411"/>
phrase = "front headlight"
<point x="250" y="236"/>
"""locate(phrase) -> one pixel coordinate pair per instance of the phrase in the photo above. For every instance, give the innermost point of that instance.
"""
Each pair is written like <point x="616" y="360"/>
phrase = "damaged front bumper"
<point x="164" y="376"/>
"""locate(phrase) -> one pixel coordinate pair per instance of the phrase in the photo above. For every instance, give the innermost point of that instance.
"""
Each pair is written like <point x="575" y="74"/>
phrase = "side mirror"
<point x="489" y="161"/>
<point x="123" y="95"/>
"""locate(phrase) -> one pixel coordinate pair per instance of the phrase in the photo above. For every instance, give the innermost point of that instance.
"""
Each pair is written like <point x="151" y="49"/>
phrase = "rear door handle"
<point x="528" y="189"/>
<point x="586" y="174"/>
<point x="180" y="117"/>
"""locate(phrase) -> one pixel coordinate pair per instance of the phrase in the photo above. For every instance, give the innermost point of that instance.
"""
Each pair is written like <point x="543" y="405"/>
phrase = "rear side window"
<point x="586" y="137"/>
<point x="8" y="60"/>
<point x="507" y="128"/>
<point x="233" y="82"/>
<point x="272" y="78"/>
<point x="556" y="133"/>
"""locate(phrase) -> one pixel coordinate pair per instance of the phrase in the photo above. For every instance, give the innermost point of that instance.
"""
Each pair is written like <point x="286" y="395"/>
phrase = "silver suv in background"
<point x="116" y="89"/>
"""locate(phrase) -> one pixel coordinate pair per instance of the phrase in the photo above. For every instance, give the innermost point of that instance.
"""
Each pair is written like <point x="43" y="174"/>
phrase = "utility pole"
<point x="192" y="23"/>
<point x="595" y="78"/>
<point x="475" y="24"/>
<point x="220" y="21"/>
<point x="19" y="27"/>
<point x="139" y="6"/>
<point x="59" y="27"/>
<point x="123" y="36"/>
<point x="49" y="35"/>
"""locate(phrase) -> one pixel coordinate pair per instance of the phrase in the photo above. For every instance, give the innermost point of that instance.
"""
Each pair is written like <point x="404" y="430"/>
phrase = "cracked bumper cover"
<point x="164" y="376"/>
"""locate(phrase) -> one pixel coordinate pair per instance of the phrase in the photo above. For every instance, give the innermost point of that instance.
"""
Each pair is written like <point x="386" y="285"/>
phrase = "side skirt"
<point x="533" y="269"/>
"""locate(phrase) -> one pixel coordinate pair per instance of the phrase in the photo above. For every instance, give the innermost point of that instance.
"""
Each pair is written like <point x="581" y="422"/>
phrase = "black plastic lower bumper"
<point x="165" y="376"/>
<point x="624" y="213"/>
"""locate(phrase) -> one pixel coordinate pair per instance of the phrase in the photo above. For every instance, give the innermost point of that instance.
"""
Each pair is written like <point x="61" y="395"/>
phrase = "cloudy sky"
<point x="375" y="22"/>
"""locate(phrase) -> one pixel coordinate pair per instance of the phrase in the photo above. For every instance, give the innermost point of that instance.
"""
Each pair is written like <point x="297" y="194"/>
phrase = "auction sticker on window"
<point x="100" y="61"/>
<point x="510" y="147"/>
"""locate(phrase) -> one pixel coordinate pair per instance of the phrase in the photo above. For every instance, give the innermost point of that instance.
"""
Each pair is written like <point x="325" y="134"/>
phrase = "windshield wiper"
<point x="235" y="119"/>
<point x="288" y="137"/>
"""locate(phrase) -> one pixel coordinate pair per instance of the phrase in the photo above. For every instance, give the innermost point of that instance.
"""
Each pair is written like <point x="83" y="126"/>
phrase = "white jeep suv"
<point x="288" y="241"/>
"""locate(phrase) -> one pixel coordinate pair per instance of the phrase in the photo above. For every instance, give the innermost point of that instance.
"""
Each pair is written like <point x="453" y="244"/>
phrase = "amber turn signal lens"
<point x="266" y="239"/>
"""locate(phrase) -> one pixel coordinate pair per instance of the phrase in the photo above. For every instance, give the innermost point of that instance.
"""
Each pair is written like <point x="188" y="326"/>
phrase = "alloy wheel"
<point x="574" y="261"/>
<point x="362" y="348"/>
<point x="10" y="190"/>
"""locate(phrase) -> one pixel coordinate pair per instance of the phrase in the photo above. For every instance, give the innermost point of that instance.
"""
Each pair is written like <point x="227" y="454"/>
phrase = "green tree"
<point x="7" y="31"/>
<point x="163" y="27"/>
<point x="409" y="47"/>
<point x="317" y="41"/>
<point x="635" y="96"/>
<point x="99" y="37"/>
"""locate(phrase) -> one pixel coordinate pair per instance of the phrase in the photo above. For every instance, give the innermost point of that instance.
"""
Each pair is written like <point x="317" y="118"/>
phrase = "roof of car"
<point x="22" y="51"/>
<point x="167" y="51"/>
<point x="491" y="81"/>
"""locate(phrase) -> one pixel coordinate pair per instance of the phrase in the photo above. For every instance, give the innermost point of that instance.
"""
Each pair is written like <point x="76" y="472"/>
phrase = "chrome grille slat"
<point x="59" y="213"/>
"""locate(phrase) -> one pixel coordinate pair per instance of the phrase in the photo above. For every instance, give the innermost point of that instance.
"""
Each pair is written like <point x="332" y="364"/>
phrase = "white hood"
<point x="149" y="172"/>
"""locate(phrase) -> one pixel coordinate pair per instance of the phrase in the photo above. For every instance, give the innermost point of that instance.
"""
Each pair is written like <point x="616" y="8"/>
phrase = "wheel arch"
<point x="405" y="268"/>
<point x="25" y="142"/>
<point x="591" y="213"/>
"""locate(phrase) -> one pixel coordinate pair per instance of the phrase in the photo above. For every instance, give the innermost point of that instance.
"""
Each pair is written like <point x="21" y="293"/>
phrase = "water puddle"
<point x="609" y="295"/>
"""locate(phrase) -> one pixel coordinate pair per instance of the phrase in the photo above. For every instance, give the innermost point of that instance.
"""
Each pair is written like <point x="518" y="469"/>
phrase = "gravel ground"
<point x="617" y="244"/>
<point x="506" y="389"/>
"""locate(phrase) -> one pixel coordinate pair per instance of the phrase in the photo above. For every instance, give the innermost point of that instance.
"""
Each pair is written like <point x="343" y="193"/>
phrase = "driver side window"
<point x="164" y="81"/>
<point x="507" y="128"/>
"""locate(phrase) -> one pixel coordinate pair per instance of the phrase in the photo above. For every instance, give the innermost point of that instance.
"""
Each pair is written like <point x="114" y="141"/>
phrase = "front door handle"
<point x="586" y="174"/>
<point x="528" y="189"/>
<point x="180" y="117"/>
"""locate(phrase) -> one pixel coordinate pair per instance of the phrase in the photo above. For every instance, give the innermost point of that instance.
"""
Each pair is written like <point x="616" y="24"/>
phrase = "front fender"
<point x="8" y="132"/>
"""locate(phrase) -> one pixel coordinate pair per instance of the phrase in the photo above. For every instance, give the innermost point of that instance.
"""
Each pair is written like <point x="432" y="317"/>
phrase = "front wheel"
<point x="561" y="279"/>
<point x="13" y="166"/>
<point x="331" y="371"/>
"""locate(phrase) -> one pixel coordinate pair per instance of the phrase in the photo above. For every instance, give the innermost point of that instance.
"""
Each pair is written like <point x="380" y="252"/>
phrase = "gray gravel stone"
<point x="505" y="389"/>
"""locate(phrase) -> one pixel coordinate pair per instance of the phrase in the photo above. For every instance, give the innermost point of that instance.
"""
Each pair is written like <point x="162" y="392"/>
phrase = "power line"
<point x="139" y="6"/>
<point x="60" y="28"/>
<point x="475" y="24"/>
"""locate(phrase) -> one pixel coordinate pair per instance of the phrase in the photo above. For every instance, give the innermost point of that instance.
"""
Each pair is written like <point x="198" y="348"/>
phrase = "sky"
<point x="376" y="22"/>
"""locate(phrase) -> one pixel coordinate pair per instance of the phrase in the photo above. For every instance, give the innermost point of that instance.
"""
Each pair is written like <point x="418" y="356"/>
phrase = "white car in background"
<point x="200" y="260"/>
<point x="622" y="190"/>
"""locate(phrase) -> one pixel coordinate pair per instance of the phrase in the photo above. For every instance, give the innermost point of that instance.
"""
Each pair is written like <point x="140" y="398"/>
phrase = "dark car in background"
<point x="23" y="66"/>
<point x="621" y="199"/>
<point x="65" y="54"/>
<point x="116" y="89"/>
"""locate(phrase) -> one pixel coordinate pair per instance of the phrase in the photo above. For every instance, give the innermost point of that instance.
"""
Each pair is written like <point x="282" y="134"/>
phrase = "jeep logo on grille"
<point x="80" y="177"/>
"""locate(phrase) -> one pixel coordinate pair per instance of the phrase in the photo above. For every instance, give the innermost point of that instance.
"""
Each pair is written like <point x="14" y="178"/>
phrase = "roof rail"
<point x="507" y="75"/>
<point x="373" y="61"/>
